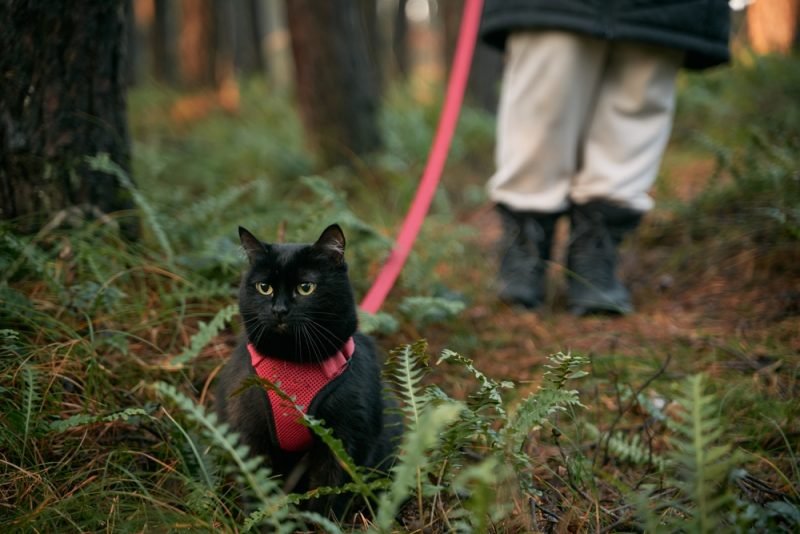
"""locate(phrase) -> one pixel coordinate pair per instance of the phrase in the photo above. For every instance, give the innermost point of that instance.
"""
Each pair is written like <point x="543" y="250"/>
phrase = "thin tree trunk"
<point x="487" y="63"/>
<point x="369" y="23"/>
<point x="249" y="36"/>
<point x="62" y="99"/>
<point x="335" y="90"/>
<point x="400" y="40"/>
<point x="197" y="43"/>
<point x="163" y="41"/>
<point x="772" y="25"/>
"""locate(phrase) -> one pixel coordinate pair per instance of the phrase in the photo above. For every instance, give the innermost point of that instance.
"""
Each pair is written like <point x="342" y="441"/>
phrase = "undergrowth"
<point x="108" y="349"/>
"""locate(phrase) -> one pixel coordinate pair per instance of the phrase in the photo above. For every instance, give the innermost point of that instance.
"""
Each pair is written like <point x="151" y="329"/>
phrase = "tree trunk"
<point x="369" y="23"/>
<point x="335" y="90"/>
<point x="772" y="26"/>
<point x="163" y="41"/>
<point x="487" y="63"/>
<point x="400" y="40"/>
<point x="62" y="99"/>
<point x="249" y="34"/>
<point x="197" y="43"/>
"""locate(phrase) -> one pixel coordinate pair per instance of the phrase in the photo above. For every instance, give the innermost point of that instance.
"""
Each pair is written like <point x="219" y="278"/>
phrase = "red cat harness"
<point x="302" y="382"/>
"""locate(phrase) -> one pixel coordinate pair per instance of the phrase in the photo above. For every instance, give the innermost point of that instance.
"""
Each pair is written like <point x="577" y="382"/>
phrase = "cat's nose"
<point x="280" y="310"/>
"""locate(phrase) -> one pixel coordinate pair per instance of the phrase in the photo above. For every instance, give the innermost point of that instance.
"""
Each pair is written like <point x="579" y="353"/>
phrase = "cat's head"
<point x="296" y="300"/>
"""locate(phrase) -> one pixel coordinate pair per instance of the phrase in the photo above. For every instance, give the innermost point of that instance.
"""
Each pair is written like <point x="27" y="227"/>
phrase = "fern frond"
<point x="563" y="367"/>
<point x="702" y="465"/>
<point x="214" y="204"/>
<point x="480" y="482"/>
<point x="103" y="163"/>
<point x="345" y="460"/>
<point x="412" y="462"/>
<point x="30" y="400"/>
<point x="205" y="333"/>
<point x="74" y="421"/>
<point x="489" y="391"/>
<point x="699" y="466"/>
<point x="377" y="323"/>
<point x="628" y="448"/>
<point x="251" y="470"/>
<point x="426" y="310"/>
<point x="199" y="458"/>
<point x="405" y="367"/>
<point x="534" y="411"/>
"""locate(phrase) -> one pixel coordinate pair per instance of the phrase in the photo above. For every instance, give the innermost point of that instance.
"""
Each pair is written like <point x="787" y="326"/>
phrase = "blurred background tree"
<point x="65" y="67"/>
<point x="337" y="83"/>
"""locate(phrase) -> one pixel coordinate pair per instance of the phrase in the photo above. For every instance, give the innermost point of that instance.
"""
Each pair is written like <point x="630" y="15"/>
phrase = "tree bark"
<point x="369" y="23"/>
<point x="163" y="41"/>
<point x="62" y="99"/>
<point x="249" y="34"/>
<point x="487" y="63"/>
<point x="197" y="43"/>
<point x="336" y="93"/>
<point x="400" y="41"/>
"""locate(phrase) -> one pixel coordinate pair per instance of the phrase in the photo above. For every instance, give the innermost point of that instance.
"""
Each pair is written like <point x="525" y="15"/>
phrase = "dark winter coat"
<point x="700" y="27"/>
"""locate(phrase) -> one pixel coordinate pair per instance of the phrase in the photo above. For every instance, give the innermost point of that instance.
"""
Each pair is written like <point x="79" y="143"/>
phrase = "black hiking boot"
<point x="524" y="252"/>
<point x="596" y="230"/>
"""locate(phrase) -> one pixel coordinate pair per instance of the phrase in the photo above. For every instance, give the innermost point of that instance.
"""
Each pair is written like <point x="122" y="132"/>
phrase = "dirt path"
<point x="710" y="307"/>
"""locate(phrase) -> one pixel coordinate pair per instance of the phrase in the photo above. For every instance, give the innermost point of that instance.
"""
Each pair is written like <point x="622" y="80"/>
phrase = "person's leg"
<point x="628" y="132"/>
<point x="546" y="94"/>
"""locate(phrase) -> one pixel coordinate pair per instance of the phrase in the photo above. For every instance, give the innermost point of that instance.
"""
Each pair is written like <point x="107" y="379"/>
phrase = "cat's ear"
<point x="332" y="243"/>
<point x="252" y="246"/>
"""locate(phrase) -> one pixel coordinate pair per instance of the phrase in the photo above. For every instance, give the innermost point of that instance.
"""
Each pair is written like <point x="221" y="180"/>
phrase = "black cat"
<point x="300" y="319"/>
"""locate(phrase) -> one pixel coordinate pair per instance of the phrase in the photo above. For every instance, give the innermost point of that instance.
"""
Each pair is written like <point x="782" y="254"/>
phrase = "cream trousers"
<point x="581" y="119"/>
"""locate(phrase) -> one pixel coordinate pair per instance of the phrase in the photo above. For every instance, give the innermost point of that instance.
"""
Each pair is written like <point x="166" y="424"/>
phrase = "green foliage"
<point x="413" y="465"/>
<point x="205" y="333"/>
<point x="700" y="467"/>
<point x="255" y="478"/>
<point x="377" y="323"/>
<point x="87" y="322"/>
<point x="427" y="310"/>
<point x="102" y="162"/>
<point x="78" y="420"/>
<point x="481" y="423"/>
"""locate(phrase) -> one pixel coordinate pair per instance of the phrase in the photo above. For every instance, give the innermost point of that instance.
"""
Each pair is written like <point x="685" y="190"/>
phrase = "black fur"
<point x="298" y="328"/>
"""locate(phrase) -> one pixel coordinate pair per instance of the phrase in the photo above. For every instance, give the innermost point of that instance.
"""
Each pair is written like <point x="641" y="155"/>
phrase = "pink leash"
<point x="437" y="157"/>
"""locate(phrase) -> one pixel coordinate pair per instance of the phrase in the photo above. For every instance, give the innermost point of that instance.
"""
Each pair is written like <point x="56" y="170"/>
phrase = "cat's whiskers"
<point x="325" y="337"/>
<point x="314" y="349"/>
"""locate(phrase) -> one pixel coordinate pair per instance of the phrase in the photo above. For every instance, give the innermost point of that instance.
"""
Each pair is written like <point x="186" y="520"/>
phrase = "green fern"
<point x="537" y="408"/>
<point x="377" y="323"/>
<point x="214" y="205"/>
<point x="412" y="463"/>
<point x="699" y="466"/>
<point x="702" y="465"/>
<point x="74" y="421"/>
<point x="405" y="369"/>
<point x="30" y="400"/>
<point x="205" y="333"/>
<point x="427" y="310"/>
<point x="249" y="470"/>
<point x="102" y="162"/>
<point x="489" y="391"/>
<point x="563" y="367"/>
<point x="628" y="448"/>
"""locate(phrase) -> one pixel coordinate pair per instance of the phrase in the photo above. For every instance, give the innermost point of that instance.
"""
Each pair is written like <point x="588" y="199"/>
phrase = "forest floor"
<point x="95" y="330"/>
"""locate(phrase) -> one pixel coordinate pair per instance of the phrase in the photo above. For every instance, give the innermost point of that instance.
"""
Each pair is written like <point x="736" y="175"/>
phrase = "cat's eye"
<point x="306" y="288"/>
<point x="264" y="288"/>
